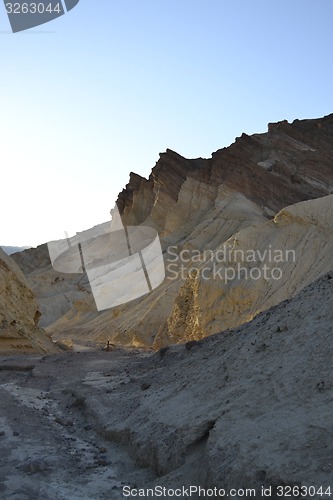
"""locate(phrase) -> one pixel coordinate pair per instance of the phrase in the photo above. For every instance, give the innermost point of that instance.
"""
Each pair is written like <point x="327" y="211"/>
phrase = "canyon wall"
<point x="19" y="313"/>
<point x="265" y="193"/>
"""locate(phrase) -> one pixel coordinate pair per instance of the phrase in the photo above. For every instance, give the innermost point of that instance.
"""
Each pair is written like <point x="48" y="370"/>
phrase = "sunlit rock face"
<point x="265" y="192"/>
<point x="19" y="313"/>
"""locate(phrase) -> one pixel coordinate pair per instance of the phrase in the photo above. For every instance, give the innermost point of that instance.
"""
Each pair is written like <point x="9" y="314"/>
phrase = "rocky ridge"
<point x="265" y="191"/>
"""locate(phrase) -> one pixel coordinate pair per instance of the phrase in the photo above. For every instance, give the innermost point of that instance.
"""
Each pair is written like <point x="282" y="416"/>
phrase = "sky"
<point x="101" y="91"/>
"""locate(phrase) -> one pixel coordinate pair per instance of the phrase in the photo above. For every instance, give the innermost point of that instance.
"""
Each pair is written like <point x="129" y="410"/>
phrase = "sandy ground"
<point x="49" y="447"/>
<point x="250" y="407"/>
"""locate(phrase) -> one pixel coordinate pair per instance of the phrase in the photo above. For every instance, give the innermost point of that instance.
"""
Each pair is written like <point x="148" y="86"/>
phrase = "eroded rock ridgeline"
<point x="289" y="163"/>
<point x="264" y="191"/>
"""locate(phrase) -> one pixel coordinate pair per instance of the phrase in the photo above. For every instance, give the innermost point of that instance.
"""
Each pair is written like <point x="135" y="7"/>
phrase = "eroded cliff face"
<point x="249" y="196"/>
<point x="290" y="163"/>
<point x="19" y="313"/>
<point x="55" y="292"/>
<point x="262" y="265"/>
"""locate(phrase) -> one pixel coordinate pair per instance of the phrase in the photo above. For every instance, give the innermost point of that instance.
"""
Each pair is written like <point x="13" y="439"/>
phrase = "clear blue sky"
<point x="99" y="92"/>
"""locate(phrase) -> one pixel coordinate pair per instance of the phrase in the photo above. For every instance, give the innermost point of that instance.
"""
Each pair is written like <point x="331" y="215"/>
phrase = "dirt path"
<point x="246" y="408"/>
<point x="49" y="447"/>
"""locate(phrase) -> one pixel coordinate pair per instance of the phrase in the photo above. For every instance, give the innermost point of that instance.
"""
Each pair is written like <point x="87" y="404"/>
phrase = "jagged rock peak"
<point x="202" y="204"/>
<point x="287" y="164"/>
